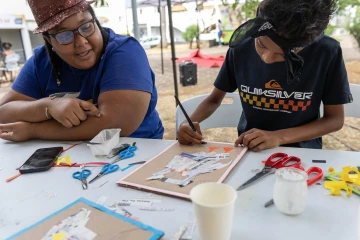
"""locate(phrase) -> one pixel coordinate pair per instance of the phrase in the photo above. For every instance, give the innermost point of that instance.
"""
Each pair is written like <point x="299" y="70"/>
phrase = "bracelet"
<point x="47" y="113"/>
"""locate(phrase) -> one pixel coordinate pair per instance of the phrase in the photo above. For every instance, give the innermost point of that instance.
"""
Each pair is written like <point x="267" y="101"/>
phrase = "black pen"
<point x="187" y="117"/>
<point x="185" y="114"/>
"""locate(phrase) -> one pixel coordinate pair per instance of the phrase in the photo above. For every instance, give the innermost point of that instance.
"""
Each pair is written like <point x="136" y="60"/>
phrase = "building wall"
<point x="149" y="19"/>
<point x="36" y="40"/>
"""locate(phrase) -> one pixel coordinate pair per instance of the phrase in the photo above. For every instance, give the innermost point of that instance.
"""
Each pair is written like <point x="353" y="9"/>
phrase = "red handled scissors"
<point x="318" y="176"/>
<point x="275" y="161"/>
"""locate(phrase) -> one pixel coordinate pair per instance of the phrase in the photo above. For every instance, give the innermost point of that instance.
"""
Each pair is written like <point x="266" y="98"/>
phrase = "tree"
<point x="343" y="4"/>
<point x="101" y="3"/>
<point x="354" y="27"/>
<point x="354" y="23"/>
<point x="190" y="33"/>
<point x="246" y="11"/>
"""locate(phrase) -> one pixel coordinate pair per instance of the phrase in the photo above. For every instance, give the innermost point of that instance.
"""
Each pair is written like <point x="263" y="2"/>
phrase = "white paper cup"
<point x="214" y="209"/>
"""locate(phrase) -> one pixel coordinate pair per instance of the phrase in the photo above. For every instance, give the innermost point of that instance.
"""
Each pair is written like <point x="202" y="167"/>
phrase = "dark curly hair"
<point x="301" y="20"/>
<point x="55" y="59"/>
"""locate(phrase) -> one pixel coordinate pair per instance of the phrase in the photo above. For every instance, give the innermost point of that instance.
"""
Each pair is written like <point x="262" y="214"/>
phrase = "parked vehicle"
<point x="150" y="42"/>
<point x="211" y="33"/>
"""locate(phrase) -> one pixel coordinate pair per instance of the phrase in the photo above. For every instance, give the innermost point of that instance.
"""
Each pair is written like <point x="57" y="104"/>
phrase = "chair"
<point x="11" y="65"/>
<point x="351" y="109"/>
<point x="227" y="114"/>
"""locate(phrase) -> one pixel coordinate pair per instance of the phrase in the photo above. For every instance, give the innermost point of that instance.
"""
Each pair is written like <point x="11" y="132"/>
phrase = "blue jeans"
<point x="219" y="36"/>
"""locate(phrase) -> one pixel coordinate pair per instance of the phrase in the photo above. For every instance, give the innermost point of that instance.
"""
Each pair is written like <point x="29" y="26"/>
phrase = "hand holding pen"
<point x="189" y="133"/>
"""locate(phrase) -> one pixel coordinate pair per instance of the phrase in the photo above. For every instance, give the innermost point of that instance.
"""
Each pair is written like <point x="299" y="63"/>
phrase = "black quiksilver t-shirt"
<point x="269" y="102"/>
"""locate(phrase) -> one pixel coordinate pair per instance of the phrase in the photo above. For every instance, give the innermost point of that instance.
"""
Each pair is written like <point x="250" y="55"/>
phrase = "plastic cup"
<point x="290" y="190"/>
<point x="214" y="209"/>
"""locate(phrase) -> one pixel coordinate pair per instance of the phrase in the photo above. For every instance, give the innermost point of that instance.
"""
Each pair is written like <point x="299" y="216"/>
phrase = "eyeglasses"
<point x="68" y="36"/>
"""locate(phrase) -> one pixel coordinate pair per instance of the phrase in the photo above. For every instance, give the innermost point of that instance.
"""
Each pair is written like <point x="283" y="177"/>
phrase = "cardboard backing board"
<point x="105" y="223"/>
<point x="137" y="179"/>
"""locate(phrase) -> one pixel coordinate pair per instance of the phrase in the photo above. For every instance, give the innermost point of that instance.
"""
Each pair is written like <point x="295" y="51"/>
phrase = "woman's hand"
<point x="257" y="140"/>
<point x="71" y="111"/>
<point x="17" y="132"/>
<point x="187" y="136"/>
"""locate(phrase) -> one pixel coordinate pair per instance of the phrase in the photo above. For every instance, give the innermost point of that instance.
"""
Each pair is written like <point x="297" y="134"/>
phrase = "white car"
<point x="150" y="42"/>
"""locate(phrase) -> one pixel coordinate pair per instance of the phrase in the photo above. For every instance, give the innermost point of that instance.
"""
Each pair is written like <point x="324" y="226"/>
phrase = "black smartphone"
<point x="41" y="160"/>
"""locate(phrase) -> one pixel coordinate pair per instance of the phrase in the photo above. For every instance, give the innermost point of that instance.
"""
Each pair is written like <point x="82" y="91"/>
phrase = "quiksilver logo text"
<point x="276" y="93"/>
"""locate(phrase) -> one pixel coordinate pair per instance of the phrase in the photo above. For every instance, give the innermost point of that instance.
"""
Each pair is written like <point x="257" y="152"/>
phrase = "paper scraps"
<point x="351" y="175"/>
<point x="191" y="165"/>
<point x="336" y="186"/>
<point x="114" y="207"/>
<point x="211" y="149"/>
<point x="63" y="160"/>
<point x="101" y="200"/>
<point x="179" y="233"/>
<point x="71" y="228"/>
<point x="48" y="194"/>
<point x="227" y="149"/>
<point x="347" y="180"/>
<point x="190" y="227"/>
<point x="139" y="203"/>
<point x="134" y="203"/>
<point x="157" y="209"/>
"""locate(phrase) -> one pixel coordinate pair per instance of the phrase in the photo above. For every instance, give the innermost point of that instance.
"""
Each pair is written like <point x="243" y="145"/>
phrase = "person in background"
<point x="220" y="31"/>
<point x="83" y="80"/>
<point x="1" y="56"/>
<point x="10" y="59"/>
<point x="284" y="67"/>
<point x="6" y="46"/>
<point x="1" y="48"/>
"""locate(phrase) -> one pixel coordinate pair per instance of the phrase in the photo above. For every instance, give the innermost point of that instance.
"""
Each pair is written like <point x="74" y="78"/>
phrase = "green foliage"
<point x="249" y="8"/>
<point x="190" y="33"/>
<point x="354" y="22"/>
<point x="329" y="30"/>
<point x="355" y="27"/>
<point x="342" y="4"/>
<point x="246" y="10"/>
<point x="101" y="3"/>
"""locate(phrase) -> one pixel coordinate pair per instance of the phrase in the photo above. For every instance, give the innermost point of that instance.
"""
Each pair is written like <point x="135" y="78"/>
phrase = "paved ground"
<point x="349" y="47"/>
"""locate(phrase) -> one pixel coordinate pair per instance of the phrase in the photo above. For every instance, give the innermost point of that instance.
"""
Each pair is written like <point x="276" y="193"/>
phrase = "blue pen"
<point x="132" y="164"/>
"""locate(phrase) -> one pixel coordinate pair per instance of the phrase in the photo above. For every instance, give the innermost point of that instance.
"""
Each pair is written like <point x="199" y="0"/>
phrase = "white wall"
<point x="115" y="13"/>
<point x="148" y="18"/>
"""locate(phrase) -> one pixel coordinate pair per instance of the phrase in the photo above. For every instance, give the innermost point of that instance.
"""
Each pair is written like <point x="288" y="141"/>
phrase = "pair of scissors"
<point x="127" y="153"/>
<point x="317" y="177"/>
<point x="82" y="176"/>
<point x="275" y="161"/>
<point x="106" y="169"/>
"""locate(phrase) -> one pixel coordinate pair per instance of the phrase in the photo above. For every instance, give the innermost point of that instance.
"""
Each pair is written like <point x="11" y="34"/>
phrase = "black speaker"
<point x="188" y="73"/>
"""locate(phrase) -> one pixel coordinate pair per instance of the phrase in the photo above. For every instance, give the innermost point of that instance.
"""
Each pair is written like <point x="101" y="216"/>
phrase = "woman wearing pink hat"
<point x="84" y="79"/>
